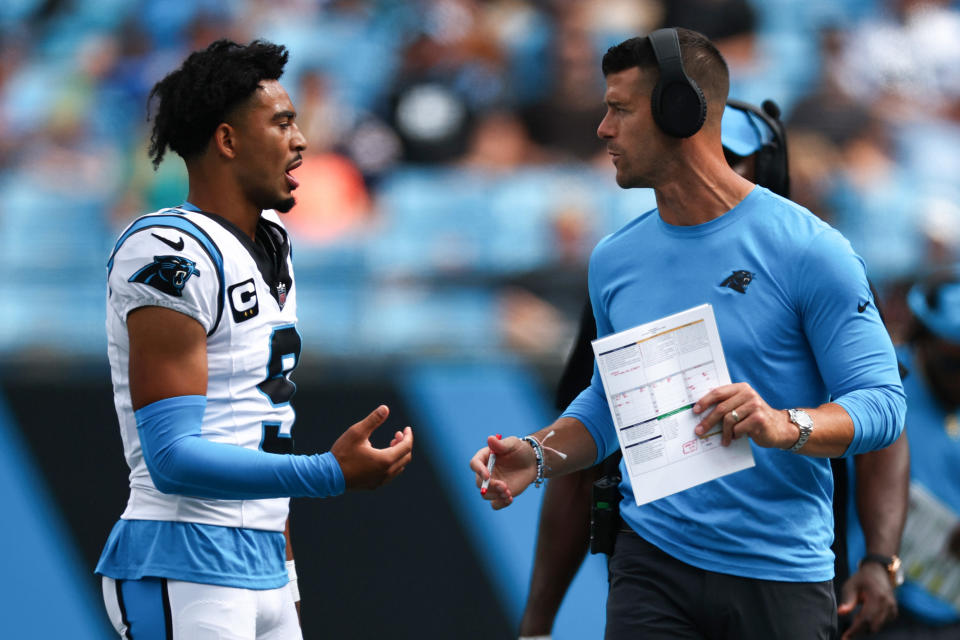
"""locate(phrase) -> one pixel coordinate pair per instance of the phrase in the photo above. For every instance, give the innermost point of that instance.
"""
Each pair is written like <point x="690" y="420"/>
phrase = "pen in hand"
<point x="490" y="463"/>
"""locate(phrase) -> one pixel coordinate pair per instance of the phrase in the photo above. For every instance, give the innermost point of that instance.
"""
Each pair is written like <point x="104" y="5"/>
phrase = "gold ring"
<point x="736" y="418"/>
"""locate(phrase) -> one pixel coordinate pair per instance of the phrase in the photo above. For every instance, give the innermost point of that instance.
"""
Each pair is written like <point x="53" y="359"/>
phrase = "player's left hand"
<point x="364" y="466"/>
<point x="870" y="588"/>
<point x="740" y="411"/>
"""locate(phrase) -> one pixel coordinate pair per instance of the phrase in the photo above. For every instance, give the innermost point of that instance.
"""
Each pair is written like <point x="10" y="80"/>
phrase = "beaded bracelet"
<point x="538" y="452"/>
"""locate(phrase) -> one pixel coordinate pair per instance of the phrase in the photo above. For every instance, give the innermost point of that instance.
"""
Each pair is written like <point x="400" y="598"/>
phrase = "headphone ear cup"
<point x="763" y="170"/>
<point x="657" y="110"/>
<point x="679" y="108"/>
<point x="771" y="171"/>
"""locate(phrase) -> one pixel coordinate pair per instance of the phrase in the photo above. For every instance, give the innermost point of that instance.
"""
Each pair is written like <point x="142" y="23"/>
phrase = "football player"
<point x="202" y="333"/>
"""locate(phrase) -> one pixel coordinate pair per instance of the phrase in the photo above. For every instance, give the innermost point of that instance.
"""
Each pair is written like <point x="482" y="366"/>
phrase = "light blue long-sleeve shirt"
<point x="798" y="323"/>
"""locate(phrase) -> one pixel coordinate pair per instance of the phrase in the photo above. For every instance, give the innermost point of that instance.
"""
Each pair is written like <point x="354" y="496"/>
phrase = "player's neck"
<point x="217" y="196"/>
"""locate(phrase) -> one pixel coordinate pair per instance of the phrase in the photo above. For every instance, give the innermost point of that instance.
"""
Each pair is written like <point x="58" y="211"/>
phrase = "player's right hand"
<point x="514" y="470"/>
<point x="363" y="465"/>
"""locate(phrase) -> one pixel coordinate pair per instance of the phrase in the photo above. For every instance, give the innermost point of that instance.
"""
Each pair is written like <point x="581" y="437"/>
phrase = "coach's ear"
<point x="225" y="140"/>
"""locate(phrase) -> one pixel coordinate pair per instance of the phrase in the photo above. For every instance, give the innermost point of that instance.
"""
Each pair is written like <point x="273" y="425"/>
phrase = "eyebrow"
<point x="285" y="115"/>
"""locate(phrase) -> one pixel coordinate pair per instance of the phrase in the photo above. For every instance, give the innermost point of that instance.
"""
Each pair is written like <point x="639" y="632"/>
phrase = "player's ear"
<point x="225" y="140"/>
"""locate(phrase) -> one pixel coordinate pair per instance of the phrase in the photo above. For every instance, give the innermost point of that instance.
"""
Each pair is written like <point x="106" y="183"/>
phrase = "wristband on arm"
<point x="292" y="585"/>
<point x="538" y="452"/>
<point x="181" y="461"/>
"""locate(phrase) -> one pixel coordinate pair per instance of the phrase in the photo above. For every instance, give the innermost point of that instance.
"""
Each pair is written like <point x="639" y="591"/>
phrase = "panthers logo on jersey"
<point x="738" y="280"/>
<point x="167" y="273"/>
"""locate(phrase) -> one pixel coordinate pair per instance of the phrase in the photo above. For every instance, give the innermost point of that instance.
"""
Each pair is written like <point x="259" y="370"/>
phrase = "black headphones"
<point x="772" y="171"/>
<point x="678" y="105"/>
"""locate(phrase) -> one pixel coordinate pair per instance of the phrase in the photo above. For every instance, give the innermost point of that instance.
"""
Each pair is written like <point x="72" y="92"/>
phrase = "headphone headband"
<point x="666" y="48"/>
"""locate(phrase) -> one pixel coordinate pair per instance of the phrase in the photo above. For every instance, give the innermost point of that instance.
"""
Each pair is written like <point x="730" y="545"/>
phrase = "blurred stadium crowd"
<point x="454" y="185"/>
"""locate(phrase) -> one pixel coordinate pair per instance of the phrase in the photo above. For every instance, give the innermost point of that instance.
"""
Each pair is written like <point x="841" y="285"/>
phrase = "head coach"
<point x="815" y="375"/>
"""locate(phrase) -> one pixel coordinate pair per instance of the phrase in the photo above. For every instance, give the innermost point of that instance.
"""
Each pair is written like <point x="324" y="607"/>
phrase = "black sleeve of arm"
<point x="579" y="368"/>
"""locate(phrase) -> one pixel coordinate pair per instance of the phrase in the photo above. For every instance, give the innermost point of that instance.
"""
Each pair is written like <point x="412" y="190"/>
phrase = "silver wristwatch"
<point x="804" y="423"/>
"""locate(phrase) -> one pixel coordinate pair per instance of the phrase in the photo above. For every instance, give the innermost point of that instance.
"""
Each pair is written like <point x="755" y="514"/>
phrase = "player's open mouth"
<point x="291" y="181"/>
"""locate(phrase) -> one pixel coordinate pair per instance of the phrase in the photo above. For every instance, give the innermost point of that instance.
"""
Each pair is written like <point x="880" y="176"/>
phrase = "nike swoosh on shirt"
<point x="862" y="306"/>
<point x="176" y="246"/>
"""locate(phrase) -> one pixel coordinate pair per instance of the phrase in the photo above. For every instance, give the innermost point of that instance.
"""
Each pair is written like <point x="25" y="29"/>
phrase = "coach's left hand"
<point x="740" y="411"/>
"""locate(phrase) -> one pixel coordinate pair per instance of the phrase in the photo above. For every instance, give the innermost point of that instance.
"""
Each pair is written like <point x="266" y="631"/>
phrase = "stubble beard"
<point x="631" y="180"/>
<point x="626" y="181"/>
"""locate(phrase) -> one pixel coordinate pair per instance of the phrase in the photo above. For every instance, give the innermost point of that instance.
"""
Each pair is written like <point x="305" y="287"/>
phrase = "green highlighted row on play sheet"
<point x="674" y="412"/>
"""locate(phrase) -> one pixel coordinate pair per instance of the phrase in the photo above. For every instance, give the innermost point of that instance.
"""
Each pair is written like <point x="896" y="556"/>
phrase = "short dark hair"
<point x="197" y="97"/>
<point x="701" y="60"/>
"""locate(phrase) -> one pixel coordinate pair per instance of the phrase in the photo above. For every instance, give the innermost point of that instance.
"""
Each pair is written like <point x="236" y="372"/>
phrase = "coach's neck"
<point x="699" y="186"/>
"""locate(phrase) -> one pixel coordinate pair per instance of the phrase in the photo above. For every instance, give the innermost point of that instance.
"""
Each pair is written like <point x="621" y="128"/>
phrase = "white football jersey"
<point x="205" y="267"/>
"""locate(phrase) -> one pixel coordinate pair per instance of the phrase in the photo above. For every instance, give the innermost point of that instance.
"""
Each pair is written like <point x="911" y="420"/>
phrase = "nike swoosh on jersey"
<point x="862" y="306"/>
<point x="176" y="246"/>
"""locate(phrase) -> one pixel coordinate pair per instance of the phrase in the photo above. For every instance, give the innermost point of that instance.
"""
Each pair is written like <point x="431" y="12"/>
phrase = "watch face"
<point x="804" y="424"/>
<point x="891" y="564"/>
<point x="896" y="571"/>
<point x="801" y="418"/>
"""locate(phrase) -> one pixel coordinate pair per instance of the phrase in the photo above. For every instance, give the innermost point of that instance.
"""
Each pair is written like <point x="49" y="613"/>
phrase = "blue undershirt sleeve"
<point x="181" y="461"/>
<point x="853" y="350"/>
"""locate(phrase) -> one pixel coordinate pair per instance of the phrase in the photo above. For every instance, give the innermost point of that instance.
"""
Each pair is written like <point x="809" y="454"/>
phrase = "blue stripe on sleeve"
<point x="181" y="461"/>
<point x="180" y="223"/>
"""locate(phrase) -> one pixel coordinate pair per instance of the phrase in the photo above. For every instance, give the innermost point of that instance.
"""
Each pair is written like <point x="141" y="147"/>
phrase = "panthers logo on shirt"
<point x="167" y="273"/>
<point x="738" y="280"/>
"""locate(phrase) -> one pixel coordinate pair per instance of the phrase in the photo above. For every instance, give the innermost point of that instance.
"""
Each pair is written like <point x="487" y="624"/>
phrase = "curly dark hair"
<point x="200" y="95"/>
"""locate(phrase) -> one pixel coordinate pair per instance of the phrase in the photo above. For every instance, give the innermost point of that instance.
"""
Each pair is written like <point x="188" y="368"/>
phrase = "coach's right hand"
<point x="365" y="467"/>
<point x="515" y="469"/>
